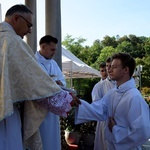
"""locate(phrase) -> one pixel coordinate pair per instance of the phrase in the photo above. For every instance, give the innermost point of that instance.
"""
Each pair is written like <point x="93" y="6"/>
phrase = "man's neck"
<point x="122" y="81"/>
<point x="43" y="55"/>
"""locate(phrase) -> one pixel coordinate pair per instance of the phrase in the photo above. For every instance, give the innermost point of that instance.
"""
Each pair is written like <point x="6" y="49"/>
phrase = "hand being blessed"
<point x="76" y="101"/>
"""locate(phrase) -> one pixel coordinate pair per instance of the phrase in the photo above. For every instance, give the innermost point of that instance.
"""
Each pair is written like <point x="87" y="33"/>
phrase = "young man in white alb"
<point x="123" y="108"/>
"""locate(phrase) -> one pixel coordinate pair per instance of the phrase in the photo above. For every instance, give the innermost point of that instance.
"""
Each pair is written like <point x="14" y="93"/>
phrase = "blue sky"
<point x="94" y="19"/>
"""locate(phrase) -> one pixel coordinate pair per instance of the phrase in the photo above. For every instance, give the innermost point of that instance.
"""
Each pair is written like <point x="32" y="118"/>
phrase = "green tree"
<point x="94" y="52"/>
<point x="125" y="46"/>
<point x="85" y="54"/>
<point x="124" y="38"/>
<point x="137" y="44"/>
<point x="105" y="53"/>
<point x="132" y="45"/>
<point x="145" y="62"/>
<point x="109" y="41"/>
<point x="147" y="46"/>
<point x="75" y="45"/>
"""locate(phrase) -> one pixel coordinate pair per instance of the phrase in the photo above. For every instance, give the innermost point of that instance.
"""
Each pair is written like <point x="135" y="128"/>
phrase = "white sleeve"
<point x="60" y="76"/>
<point x="89" y="112"/>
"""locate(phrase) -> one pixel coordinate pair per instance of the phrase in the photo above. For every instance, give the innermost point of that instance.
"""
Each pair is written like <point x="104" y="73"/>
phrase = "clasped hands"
<point x="111" y="123"/>
<point x="76" y="101"/>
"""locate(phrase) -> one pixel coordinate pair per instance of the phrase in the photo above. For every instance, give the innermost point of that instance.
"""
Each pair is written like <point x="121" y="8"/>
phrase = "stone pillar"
<point x="53" y="25"/>
<point x="0" y="13"/>
<point x="32" y="38"/>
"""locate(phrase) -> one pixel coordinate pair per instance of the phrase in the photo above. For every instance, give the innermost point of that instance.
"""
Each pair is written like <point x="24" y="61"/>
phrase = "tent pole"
<point x="71" y="76"/>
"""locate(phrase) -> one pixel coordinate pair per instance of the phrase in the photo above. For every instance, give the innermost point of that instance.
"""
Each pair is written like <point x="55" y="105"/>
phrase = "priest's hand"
<point x="111" y="123"/>
<point x="59" y="82"/>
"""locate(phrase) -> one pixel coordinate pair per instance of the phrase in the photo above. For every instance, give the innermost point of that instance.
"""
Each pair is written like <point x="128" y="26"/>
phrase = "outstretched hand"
<point x="76" y="101"/>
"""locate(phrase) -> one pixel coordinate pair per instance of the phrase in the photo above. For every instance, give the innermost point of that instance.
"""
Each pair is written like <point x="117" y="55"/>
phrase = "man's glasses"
<point x="28" y="23"/>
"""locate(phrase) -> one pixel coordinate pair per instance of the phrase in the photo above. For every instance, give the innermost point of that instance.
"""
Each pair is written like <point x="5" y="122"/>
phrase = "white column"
<point x="0" y="14"/>
<point x="53" y="24"/>
<point x="32" y="38"/>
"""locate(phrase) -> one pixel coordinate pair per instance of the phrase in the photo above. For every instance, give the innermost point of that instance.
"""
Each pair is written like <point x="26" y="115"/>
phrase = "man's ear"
<point x="126" y="69"/>
<point x="42" y="45"/>
<point x="15" y="18"/>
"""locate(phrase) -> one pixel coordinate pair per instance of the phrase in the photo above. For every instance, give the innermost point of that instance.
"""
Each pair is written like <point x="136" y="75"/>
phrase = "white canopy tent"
<point x="73" y="67"/>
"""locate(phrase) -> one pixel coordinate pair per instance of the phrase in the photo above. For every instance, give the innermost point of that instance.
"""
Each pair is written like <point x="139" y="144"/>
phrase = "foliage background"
<point x="137" y="47"/>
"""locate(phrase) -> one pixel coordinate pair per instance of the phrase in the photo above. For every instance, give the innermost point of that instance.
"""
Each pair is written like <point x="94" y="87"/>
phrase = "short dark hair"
<point x="18" y="9"/>
<point x="47" y="39"/>
<point x="109" y="59"/>
<point x="102" y="65"/>
<point x="127" y="61"/>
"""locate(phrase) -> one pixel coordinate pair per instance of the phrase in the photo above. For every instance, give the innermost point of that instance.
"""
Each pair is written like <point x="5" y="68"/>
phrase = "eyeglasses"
<point x="28" y="23"/>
